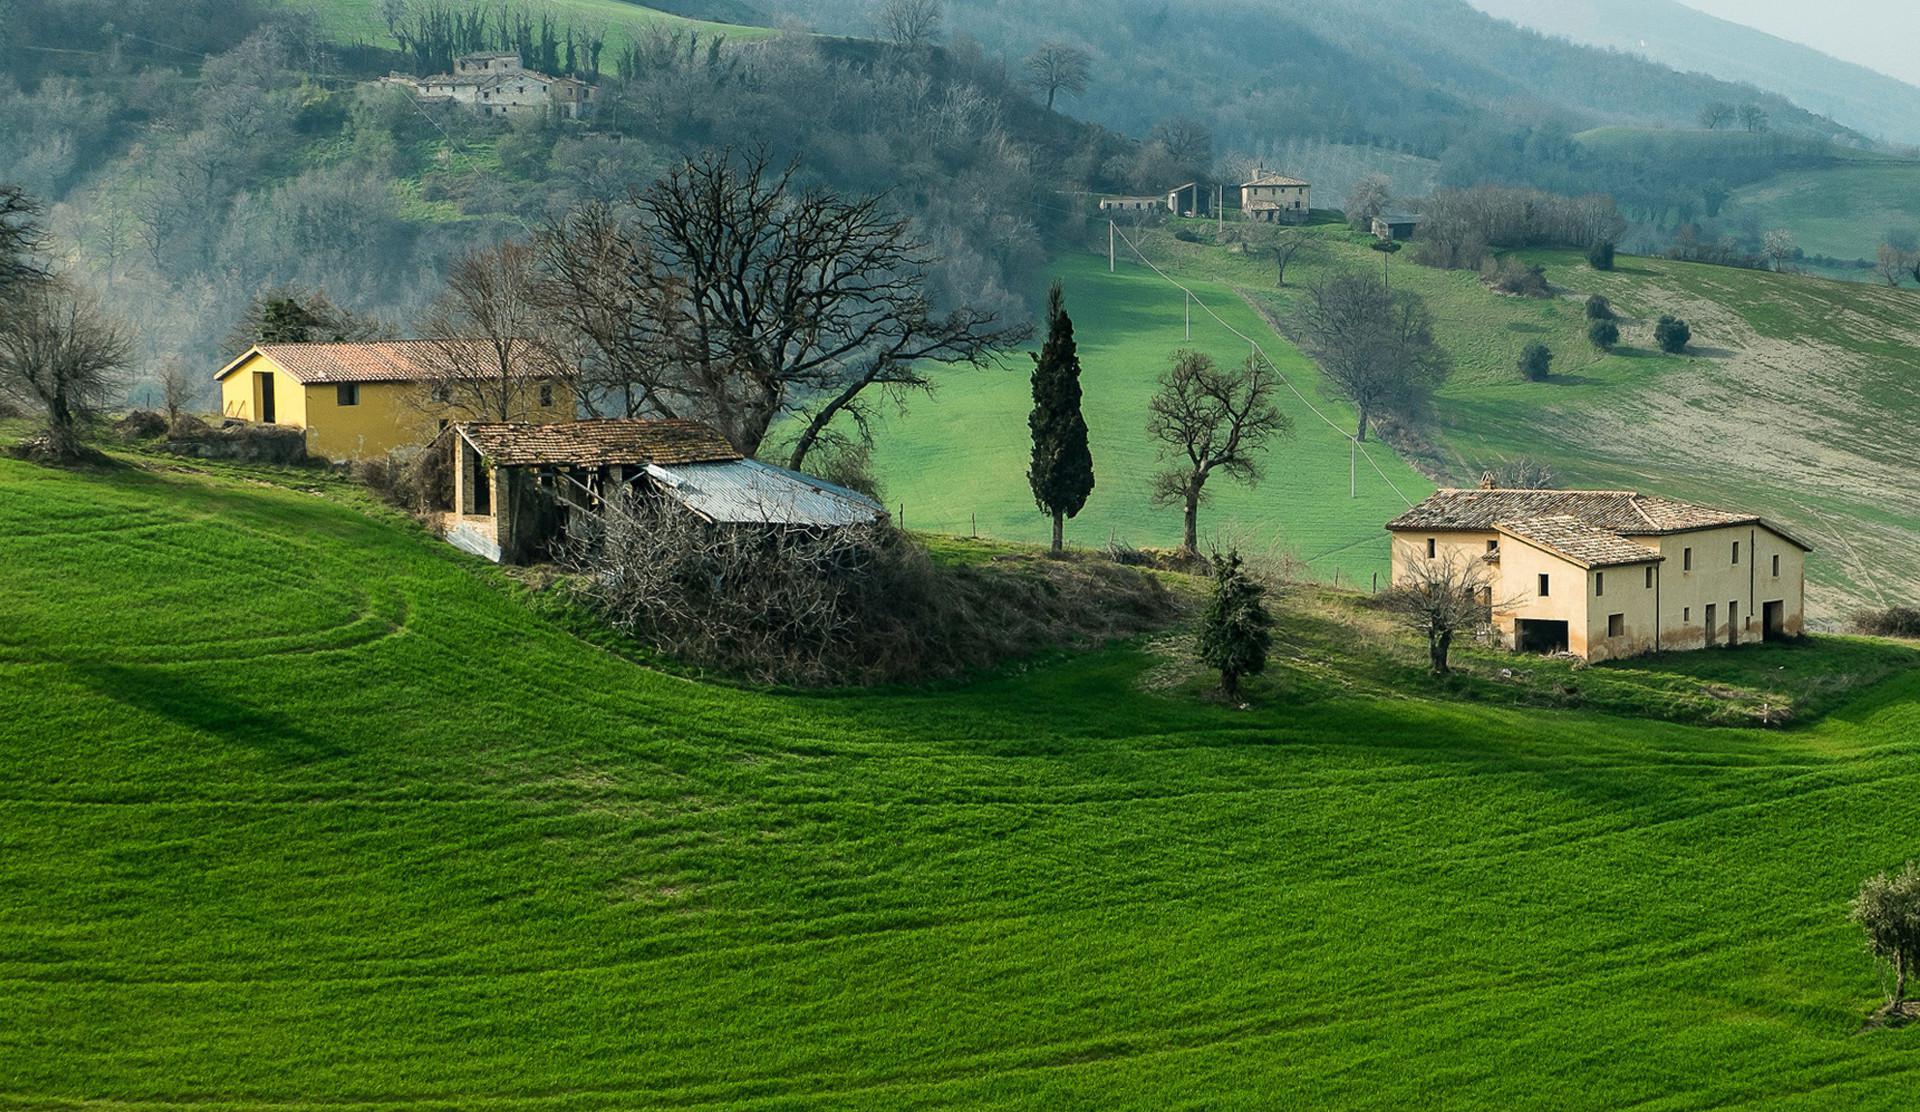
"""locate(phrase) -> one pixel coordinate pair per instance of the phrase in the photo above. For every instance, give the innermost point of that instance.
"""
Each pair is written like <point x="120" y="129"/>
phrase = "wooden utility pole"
<point x="1353" y="470"/>
<point x="1189" y="316"/>
<point x="1111" y="232"/>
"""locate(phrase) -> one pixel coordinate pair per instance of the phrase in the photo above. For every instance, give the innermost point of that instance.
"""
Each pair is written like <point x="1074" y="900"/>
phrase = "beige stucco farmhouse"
<point x="1604" y="574"/>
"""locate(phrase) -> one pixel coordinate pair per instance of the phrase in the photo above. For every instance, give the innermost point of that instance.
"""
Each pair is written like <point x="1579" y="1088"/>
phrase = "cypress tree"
<point x="1062" y="471"/>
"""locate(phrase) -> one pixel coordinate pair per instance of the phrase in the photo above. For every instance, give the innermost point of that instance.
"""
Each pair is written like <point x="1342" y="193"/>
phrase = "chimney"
<point x="1486" y="480"/>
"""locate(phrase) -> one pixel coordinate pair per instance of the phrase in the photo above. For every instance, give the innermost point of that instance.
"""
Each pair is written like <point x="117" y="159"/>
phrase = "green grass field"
<point x="303" y="809"/>
<point x="1793" y="402"/>
<point x="965" y="451"/>
<point x="1843" y="211"/>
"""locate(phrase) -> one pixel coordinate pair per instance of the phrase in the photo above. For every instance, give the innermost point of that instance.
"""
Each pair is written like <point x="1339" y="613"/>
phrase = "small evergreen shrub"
<point x="1600" y="255"/>
<point x="1672" y="334"/>
<point x="1603" y="334"/>
<point x="1536" y="362"/>
<point x="1599" y="308"/>
<point x="1236" y="630"/>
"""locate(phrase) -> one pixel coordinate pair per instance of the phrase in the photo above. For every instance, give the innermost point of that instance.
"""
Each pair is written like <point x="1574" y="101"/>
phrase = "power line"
<point x="1254" y="344"/>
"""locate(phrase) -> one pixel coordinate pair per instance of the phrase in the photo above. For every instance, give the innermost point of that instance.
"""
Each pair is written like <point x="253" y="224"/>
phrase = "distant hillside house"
<point x="1395" y="226"/>
<point x="1132" y="204"/>
<point x="520" y="490"/>
<point x="1190" y="199"/>
<point x="362" y="400"/>
<point x="1276" y="199"/>
<point x="499" y="85"/>
<point x="1604" y="574"/>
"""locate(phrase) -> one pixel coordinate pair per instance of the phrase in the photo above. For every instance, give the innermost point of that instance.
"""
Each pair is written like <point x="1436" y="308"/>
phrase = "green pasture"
<point x="962" y="455"/>
<point x="302" y="809"/>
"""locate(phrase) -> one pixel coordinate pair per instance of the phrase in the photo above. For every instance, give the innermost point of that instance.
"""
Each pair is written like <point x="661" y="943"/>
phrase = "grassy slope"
<point x="1845" y="211"/>
<point x="1794" y="401"/>
<point x="302" y="809"/>
<point x="966" y="450"/>
<point x="351" y="20"/>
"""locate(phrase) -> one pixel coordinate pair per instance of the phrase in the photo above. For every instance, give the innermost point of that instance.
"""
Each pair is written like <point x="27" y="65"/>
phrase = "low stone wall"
<point x="245" y="443"/>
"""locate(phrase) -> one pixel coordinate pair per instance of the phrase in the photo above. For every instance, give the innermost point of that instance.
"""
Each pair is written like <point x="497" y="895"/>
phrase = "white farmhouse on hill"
<point x="499" y="85"/>
<point x="1604" y="574"/>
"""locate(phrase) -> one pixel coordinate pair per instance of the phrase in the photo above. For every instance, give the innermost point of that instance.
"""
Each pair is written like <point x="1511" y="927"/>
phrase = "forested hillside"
<point x="1673" y="34"/>
<point x="255" y="152"/>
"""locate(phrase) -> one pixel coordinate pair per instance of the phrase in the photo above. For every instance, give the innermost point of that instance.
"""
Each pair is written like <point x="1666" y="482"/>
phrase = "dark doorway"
<point x="1713" y="631"/>
<point x="1531" y="635"/>
<point x="482" y="490"/>
<point x="1773" y="621"/>
<point x="264" y="379"/>
<point x="1733" y="625"/>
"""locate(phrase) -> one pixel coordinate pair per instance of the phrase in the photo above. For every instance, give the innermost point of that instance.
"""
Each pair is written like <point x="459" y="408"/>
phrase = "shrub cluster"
<point x="1895" y="621"/>
<point x="1536" y="362"/>
<point x="857" y="605"/>
<point x="1599" y="308"/>
<point x="1512" y="276"/>
<point x="1600" y="255"/>
<point x="1603" y="334"/>
<point x="1672" y="334"/>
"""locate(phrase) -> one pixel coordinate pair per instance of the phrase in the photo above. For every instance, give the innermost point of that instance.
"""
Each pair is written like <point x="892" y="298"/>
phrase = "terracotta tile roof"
<point x="1272" y="179"/>
<point x="1624" y="512"/>
<point x="598" y="443"/>
<point x="1579" y="542"/>
<point x="374" y="361"/>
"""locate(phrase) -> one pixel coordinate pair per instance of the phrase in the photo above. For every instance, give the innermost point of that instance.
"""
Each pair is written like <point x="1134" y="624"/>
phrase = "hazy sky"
<point x="1884" y="34"/>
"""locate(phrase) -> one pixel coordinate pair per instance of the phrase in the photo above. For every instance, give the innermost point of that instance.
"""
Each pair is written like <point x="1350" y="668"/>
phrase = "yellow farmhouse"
<point x="1604" y="574"/>
<point x="361" y="400"/>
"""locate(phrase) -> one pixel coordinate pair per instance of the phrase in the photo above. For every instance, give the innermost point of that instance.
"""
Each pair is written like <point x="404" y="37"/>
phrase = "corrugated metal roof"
<point x="749" y="492"/>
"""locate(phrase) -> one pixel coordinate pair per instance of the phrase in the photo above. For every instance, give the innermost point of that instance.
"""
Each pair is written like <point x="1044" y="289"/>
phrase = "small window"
<point x="1649" y="579"/>
<point x="1736" y="552"/>
<point x="1686" y="559"/>
<point x="1544" y="585"/>
<point x="546" y="393"/>
<point x="1493" y="547"/>
<point x="1432" y="546"/>
<point x="1599" y="584"/>
<point x="1616" y="625"/>
<point x="1686" y="613"/>
<point x="1776" y="567"/>
<point x="347" y="393"/>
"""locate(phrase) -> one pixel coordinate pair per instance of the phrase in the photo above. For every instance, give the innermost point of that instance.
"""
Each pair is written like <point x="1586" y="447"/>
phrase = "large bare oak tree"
<point x="1209" y="419"/>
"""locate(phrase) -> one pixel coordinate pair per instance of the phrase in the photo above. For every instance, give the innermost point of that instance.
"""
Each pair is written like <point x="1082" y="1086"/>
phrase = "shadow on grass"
<point x="207" y="710"/>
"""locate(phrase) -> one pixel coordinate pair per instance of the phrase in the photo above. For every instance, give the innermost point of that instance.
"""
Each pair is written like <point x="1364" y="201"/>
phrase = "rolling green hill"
<point x="963" y="453"/>
<point x="1795" y="402"/>
<point x="1846" y="211"/>
<point x="305" y="810"/>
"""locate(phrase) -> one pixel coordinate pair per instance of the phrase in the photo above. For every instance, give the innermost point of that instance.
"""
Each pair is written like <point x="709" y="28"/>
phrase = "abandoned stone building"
<point x="1603" y="574"/>
<point x="521" y="491"/>
<point x="499" y="84"/>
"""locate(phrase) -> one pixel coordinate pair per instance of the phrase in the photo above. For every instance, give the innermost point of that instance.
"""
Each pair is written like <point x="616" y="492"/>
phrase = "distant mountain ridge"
<point x="1675" y="35"/>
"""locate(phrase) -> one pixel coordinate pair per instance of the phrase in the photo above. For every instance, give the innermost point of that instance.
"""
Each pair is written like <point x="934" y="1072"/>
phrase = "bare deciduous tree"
<point x="586" y="260"/>
<point x="1057" y="68"/>
<point x="1716" y="115"/>
<point x="488" y="355"/>
<point x="1288" y="247"/>
<point x="61" y="353"/>
<point x="1754" y="118"/>
<point x="910" y="24"/>
<point x="747" y="298"/>
<point x="20" y="239"/>
<point x="1375" y="345"/>
<point x="1208" y="419"/>
<point x="1442" y="598"/>
<point x="1367" y="199"/>
<point x="179" y="387"/>
<point x="1892" y="264"/>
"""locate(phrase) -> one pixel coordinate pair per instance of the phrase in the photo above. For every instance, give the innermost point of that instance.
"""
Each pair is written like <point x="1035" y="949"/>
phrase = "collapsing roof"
<point x="607" y="442"/>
